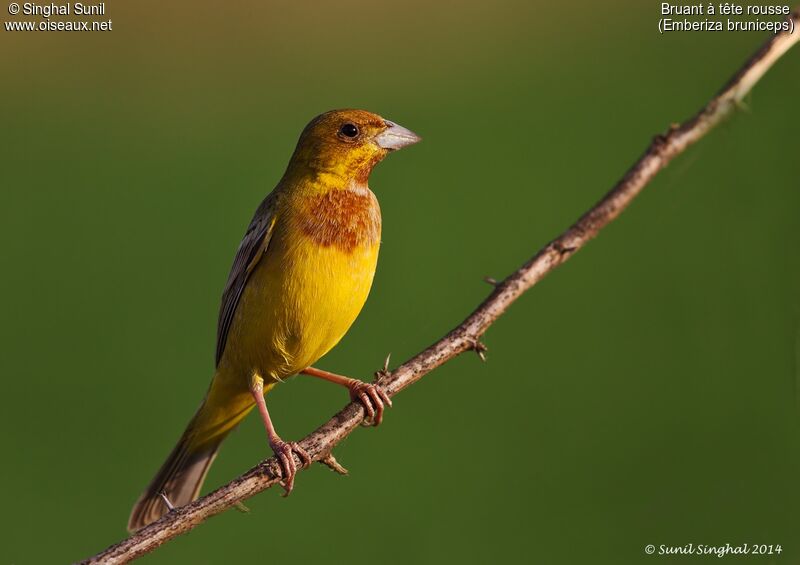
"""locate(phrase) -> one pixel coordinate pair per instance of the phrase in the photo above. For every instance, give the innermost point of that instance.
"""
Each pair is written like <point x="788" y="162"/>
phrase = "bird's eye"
<point x="349" y="130"/>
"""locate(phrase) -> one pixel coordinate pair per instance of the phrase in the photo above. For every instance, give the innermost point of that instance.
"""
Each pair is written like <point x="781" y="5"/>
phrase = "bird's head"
<point x="347" y="144"/>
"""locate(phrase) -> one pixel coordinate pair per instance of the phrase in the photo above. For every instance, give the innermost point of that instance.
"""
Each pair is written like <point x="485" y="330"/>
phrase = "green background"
<point x="645" y="392"/>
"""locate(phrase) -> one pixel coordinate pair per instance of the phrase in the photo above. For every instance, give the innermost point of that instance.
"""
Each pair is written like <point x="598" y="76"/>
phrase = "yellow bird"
<point x="299" y="280"/>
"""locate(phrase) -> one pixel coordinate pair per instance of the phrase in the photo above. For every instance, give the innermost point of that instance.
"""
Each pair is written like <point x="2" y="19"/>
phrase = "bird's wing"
<point x="253" y="246"/>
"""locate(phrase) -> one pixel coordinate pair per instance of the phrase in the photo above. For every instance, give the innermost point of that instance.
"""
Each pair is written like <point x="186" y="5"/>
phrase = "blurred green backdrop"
<point x="646" y="392"/>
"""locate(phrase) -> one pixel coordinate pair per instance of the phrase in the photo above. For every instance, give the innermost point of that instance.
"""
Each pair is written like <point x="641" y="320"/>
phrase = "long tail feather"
<point x="179" y="479"/>
<point x="182" y="474"/>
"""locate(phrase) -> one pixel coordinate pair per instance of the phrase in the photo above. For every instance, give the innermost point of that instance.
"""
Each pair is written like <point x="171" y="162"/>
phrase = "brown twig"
<point x="466" y="336"/>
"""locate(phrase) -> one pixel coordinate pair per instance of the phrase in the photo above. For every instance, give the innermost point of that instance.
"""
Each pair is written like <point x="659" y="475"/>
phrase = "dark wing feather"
<point x="252" y="248"/>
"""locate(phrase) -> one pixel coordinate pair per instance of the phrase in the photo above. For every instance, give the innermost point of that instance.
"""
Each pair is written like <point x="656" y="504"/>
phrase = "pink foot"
<point x="372" y="398"/>
<point x="284" y="454"/>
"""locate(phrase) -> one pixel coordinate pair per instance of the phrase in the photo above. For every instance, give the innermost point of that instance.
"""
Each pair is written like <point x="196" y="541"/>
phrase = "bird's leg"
<point x="371" y="396"/>
<point x="284" y="451"/>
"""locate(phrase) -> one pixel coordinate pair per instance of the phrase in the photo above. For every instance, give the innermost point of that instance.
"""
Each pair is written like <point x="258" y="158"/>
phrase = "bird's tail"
<point x="182" y="474"/>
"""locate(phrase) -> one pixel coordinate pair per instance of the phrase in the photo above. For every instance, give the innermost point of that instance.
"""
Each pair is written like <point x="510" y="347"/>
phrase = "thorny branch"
<point x="466" y="336"/>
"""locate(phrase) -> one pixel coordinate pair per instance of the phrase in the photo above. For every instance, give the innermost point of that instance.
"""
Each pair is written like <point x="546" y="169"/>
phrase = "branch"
<point x="466" y="336"/>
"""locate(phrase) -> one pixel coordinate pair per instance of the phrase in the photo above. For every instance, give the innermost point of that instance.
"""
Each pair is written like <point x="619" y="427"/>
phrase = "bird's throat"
<point x="347" y="219"/>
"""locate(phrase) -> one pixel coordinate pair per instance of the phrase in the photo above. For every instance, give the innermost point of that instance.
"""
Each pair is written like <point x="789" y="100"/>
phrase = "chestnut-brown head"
<point x="347" y="144"/>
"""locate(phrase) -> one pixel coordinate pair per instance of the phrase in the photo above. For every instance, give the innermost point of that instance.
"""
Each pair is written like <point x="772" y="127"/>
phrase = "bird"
<point x="300" y="277"/>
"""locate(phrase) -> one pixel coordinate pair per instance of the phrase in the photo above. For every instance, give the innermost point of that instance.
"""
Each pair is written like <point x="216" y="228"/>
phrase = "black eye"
<point x="349" y="130"/>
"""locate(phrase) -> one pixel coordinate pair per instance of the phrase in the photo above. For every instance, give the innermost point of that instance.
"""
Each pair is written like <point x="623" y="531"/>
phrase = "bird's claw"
<point x="373" y="398"/>
<point x="284" y="453"/>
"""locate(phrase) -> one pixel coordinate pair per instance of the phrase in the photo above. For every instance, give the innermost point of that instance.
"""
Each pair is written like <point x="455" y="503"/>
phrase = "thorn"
<point x="659" y="140"/>
<point x="384" y="371"/>
<point x="330" y="461"/>
<point x="491" y="281"/>
<point x="166" y="500"/>
<point x="241" y="507"/>
<point x="741" y="105"/>
<point x="480" y="348"/>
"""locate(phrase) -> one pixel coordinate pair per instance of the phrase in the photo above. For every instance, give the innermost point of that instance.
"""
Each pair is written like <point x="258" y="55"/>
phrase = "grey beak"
<point x="396" y="137"/>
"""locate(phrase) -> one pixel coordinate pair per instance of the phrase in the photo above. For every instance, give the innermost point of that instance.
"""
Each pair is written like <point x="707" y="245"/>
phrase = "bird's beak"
<point x="396" y="137"/>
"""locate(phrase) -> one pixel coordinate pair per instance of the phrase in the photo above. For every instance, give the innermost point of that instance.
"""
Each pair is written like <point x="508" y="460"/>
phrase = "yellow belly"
<point x="299" y="302"/>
